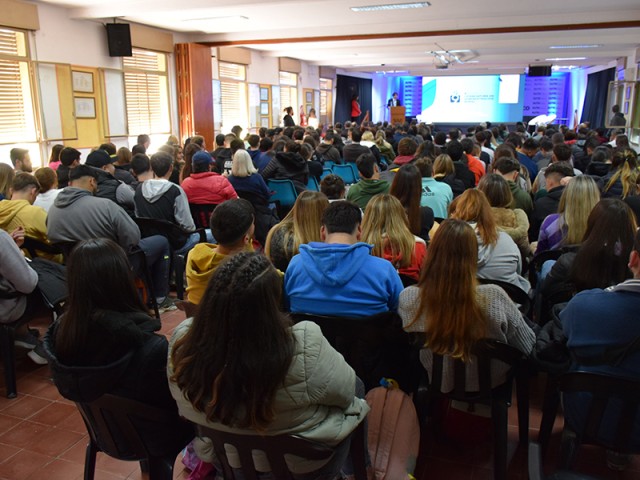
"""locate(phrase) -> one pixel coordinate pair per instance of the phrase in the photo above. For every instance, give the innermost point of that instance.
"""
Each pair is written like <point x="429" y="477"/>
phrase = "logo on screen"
<point x="454" y="98"/>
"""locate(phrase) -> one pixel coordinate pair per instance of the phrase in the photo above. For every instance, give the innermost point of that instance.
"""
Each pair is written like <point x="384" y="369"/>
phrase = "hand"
<point x="565" y="181"/>
<point x="18" y="236"/>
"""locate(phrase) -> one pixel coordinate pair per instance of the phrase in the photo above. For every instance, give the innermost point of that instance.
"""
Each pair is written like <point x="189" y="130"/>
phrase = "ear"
<point x="323" y="233"/>
<point x="634" y="262"/>
<point x="359" y="232"/>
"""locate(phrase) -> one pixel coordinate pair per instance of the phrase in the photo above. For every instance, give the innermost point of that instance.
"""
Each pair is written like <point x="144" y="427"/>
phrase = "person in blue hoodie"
<point x="339" y="276"/>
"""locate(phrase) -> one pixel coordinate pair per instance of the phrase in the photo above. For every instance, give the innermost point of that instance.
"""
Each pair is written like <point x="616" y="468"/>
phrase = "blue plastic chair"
<point x="328" y="164"/>
<point x="312" y="184"/>
<point x="325" y="171"/>
<point x="347" y="172"/>
<point x="283" y="194"/>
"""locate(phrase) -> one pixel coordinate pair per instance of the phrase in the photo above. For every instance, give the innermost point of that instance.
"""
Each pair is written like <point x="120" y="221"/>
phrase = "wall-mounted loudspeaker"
<point x="119" y="38"/>
<point x="539" y="71"/>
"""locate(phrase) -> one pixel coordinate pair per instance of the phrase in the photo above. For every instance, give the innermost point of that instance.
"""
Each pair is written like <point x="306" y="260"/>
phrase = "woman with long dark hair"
<point x="239" y="365"/>
<point x="407" y="187"/>
<point x="105" y="342"/>
<point x="453" y="311"/>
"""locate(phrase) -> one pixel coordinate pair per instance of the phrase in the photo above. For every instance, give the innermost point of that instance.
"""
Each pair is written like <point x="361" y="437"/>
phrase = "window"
<point x="289" y="92"/>
<point x="147" y="92"/>
<point x="326" y="101"/>
<point x="233" y="94"/>
<point x="17" y="119"/>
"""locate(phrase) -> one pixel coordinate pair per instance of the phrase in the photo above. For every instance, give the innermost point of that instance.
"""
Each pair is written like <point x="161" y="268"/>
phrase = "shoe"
<point x="617" y="461"/>
<point x="26" y="340"/>
<point x="167" y="305"/>
<point x="37" y="355"/>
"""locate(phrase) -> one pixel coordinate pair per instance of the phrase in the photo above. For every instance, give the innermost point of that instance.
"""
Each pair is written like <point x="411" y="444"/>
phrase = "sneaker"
<point x="26" y="340"/>
<point x="37" y="355"/>
<point x="617" y="461"/>
<point x="167" y="305"/>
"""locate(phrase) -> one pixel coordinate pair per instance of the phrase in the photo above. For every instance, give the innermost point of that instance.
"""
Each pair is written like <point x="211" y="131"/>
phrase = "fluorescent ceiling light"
<point x="595" y="45"/>
<point x="390" y="6"/>
<point x="208" y="19"/>
<point x="563" y="59"/>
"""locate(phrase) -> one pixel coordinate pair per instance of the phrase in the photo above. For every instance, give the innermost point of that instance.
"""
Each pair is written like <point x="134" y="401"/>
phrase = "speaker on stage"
<point x="119" y="39"/>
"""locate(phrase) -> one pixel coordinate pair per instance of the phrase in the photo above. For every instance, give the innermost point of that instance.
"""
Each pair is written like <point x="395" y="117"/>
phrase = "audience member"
<point x="435" y="195"/>
<point x="49" y="190"/>
<point x="289" y="165"/>
<point x="7" y="174"/>
<point x="622" y="179"/>
<point x="333" y="187"/>
<point x="561" y="153"/>
<point x="54" y="159"/>
<point x="106" y="343"/>
<point x="454" y="312"/>
<point x="204" y="187"/>
<point x="475" y="165"/>
<point x="600" y="163"/>
<point x="407" y="148"/>
<point x="444" y="171"/>
<point x="509" y="169"/>
<point x="369" y="184"/>
<point x="385" y="226"/>
<point x="339" y="276"/>
<point x="301" y="226"/>
<point x="108" y="186"/>
<point x="236" y="364"/>
<point x="353" y="150"/>
<point x="456" y="152"/>
<point x="498" y="255"/>
<point x="21" y="160"/>
<point x="232" y="225"/>
<point x="69" y="159"/>
<point x="548" y="204"/>
<point x="567" y="227"/>
<point x="407" y="187"/>
<point x="190" y="150"/>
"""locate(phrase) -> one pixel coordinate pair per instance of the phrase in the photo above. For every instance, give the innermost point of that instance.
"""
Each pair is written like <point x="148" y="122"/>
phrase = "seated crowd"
<point x="440" y="230"/>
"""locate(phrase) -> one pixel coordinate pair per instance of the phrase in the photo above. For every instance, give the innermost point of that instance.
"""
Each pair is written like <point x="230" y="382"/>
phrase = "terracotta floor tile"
<point x="48" y="391"/>
<point x="73" y="422"/>
<point x="25" y="406"/>
<point x="7" y="451"/>
<point x="116" y="467"/>
<point x="7" y="422"/>
<point x="76" y="453"/>
<point x="58" y="470"/>
<point x="54" y="414"/>
<point x="23" y="464"/>
<point x="24" y="434"/>
<point x="54" y="442"/>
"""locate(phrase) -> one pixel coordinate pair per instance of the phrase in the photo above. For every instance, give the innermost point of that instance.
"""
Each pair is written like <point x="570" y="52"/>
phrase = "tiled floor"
<point x="42" y="436"/>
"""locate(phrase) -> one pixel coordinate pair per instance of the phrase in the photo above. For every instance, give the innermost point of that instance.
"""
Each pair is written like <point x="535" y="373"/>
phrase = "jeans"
<point x="193" y="240"/>
<point x="156" y="251"/>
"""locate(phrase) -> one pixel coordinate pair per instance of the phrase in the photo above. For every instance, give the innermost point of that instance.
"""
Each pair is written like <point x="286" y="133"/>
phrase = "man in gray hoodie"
<point x="77" y="214"/>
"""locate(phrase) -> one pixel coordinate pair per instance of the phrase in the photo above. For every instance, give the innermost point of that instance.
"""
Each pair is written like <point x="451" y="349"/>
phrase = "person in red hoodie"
<point x="475" y="164"/>
<point x="204" y="186"/>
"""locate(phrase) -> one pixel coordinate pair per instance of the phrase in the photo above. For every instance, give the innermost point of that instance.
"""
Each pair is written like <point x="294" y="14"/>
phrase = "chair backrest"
<point x="66" y="248"/>
<point x="325" y="171"/>
<point x="312" y="184"/>
<point x="274" y="447"/>
<point x="603" y="389"/>
<point x="374" y="346"/>
<point x="109" y="420"/>
<point x="284" y="192"/>
<point x="485" y="351"/>
<point x="516" y="294"/>
<point x="35" y="247"/>
<point x="347" y="172"/>
<point x="201" y="213"/>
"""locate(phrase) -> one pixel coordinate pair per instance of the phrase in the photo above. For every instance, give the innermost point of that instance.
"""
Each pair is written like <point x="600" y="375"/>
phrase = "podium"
<point x="397" y="115"/>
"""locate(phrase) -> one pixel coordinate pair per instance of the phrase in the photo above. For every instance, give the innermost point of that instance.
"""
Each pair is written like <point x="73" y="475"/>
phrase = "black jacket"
<point x="457" y="186"/>
<point x="123" y="356"/>
<point x="329" y="152"/>
<point x="464" y="174"/>
<point x="289" y="166"/>
<point x="543" y="207"/>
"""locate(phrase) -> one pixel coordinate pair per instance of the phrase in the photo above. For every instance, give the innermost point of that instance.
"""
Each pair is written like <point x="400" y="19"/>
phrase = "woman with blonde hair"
<point x="444" y="171"/>
<point x="498" y="255"/>
<point x="568" y="226"/>
<point x="621" y="181"/>
<point x="245" y="178"/>
<point x="386" y="227"/>
<point x="386" y="150"/>
<point x="454" y="312"/>
<point x="301" y="225"/>
<point x="512" y="221"/>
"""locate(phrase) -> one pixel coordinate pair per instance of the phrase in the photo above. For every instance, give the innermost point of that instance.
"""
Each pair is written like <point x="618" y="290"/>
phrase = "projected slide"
<point x="471" y="99"/>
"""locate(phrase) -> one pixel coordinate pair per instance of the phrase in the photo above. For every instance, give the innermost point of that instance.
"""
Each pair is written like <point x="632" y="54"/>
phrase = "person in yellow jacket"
<point x="20" y="211"/>
<point x="232" y="225"/>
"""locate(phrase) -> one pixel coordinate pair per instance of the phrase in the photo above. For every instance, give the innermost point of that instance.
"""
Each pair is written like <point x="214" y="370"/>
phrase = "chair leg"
<point x="90" y="461"/>
<point x="568" y="449"/>
<point x="9" y="360"/>
<point x="549" y="412"/>
<point x="178" y="271"/>
<point x="161" y="468"/>
<point x="522" y="394"/>
<point x="500" y="421"/>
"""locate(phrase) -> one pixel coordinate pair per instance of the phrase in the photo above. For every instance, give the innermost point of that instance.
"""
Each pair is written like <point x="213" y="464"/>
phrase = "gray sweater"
<point x="15" y="276"/>
<point x="505" y="323"/>
<point x="77" y="215"/>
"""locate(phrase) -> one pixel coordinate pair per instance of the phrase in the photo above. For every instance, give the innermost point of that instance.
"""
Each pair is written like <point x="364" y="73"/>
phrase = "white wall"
<point x="263" y="69"/>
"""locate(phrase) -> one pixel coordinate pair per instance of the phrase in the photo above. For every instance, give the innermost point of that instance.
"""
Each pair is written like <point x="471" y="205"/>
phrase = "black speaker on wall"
<point x="539" y="71"/>
<point x="119" y="38"/>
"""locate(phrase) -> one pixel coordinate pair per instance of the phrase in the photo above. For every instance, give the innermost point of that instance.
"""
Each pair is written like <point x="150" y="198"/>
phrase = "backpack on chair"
<point x="394" y="433"/>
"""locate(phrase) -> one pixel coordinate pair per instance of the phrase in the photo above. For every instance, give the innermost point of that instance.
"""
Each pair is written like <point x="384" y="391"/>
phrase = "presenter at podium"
<point x="393" y="101"/>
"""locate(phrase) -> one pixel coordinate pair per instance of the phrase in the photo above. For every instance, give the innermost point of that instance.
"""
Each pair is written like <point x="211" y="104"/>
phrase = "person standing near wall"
<point x="355" y="108"/>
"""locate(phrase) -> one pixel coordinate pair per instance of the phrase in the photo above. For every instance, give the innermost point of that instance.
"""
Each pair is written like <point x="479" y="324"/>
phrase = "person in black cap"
<point x="108" y="186"/>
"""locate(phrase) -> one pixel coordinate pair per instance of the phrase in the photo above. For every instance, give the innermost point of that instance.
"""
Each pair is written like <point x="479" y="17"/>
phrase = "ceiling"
<point x="494" y="36"/>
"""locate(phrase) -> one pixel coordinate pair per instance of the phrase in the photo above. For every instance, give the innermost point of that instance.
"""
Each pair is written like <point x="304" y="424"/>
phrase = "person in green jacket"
<point x="369" y="184"/>
<point x="509" y="169"/>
